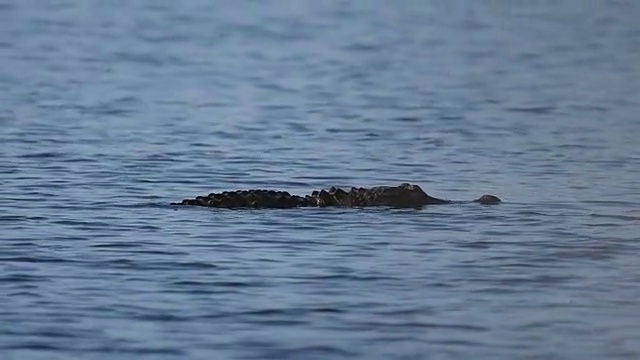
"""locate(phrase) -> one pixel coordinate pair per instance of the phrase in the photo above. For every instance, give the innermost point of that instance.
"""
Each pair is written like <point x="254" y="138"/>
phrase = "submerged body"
<point x="402" y="196"/>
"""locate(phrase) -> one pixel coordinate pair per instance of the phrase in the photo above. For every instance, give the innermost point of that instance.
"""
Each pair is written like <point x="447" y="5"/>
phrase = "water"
<point x="111" y="110"/>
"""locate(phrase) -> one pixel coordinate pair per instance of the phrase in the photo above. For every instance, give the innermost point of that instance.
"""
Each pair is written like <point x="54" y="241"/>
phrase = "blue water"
<point x="111" y="110"/>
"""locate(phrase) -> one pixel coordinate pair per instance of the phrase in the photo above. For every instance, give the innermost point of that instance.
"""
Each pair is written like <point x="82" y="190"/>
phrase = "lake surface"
<point x="111" y="110"/>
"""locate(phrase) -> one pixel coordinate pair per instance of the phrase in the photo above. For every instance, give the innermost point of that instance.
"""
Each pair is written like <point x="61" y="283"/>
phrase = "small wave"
<point x="34" y="259"/>
<point x="533" y="109"/>
<point x="43" y="155"/>
<point x="22" y="278"/>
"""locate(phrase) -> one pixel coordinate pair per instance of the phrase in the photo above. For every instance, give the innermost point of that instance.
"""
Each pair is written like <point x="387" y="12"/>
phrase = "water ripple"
<point x="112" y="113"/>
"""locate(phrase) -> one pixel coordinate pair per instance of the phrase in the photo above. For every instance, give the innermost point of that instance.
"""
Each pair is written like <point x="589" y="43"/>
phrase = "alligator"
<point x="403" y="196"/>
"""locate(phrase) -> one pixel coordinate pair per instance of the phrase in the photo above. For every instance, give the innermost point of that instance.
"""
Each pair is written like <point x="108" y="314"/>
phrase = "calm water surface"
<point x="111" y="110"/>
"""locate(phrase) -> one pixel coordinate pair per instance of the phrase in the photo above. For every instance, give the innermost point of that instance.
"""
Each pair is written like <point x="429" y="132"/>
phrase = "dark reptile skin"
<point x="402" y="196"/>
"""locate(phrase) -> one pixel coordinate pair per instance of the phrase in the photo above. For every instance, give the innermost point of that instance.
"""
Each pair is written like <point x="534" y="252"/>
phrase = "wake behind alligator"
<point x="402" y="196"/>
